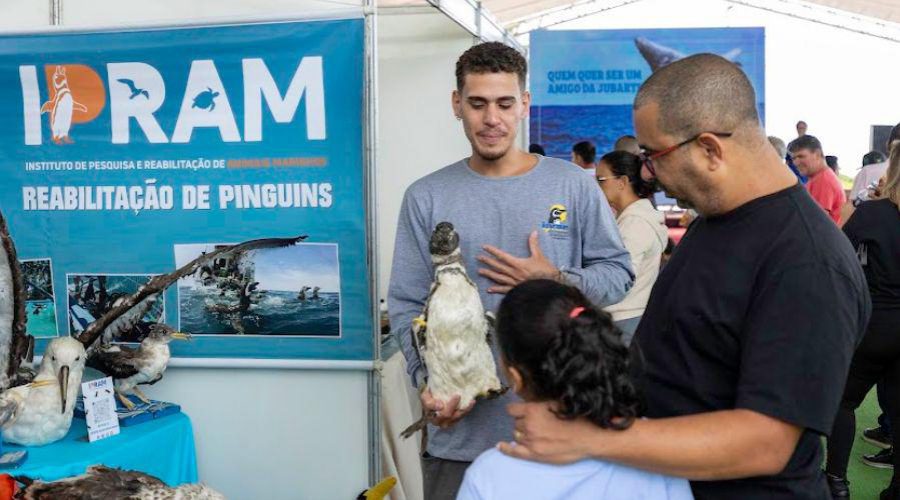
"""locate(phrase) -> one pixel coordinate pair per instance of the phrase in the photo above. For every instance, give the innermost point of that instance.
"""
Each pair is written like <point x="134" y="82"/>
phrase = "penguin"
<point x="558" y="214"/>
<point x="453" y="333"/>
<point x="315" y="293"/>
<point x="302" y="295"/>
<point x="61" y="107"/>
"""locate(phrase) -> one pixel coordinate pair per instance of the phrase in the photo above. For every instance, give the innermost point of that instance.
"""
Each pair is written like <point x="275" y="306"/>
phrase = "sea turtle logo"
<point x="76" y="95"/>
<point x="206" y="99"/>
<point x="558" y="214"/>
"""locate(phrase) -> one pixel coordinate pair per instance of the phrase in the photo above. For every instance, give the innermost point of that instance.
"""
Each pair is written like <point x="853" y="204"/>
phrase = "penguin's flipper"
<point x="47" y="107"/>
<point x="77" y="106"/>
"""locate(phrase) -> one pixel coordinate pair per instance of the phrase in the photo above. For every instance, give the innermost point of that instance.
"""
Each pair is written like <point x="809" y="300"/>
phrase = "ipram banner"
<point x="127" y="154"/>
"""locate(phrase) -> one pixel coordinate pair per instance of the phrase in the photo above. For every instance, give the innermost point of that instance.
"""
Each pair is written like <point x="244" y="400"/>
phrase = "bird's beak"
<point x="181" y="336"/>
<point x="63" y="385"/>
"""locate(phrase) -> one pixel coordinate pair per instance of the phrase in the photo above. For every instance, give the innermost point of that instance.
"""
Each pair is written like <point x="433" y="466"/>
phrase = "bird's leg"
<point x="124" y="399"/>
<point x="143" y="397"/>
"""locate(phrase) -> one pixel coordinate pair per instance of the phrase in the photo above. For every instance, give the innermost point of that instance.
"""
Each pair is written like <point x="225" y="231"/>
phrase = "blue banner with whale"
<point x="583" y="82"/>
<point x="127" y="154"/>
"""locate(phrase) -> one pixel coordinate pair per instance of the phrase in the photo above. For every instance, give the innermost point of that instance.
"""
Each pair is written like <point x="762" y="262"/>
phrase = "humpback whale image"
<point x="61" y="106"/>
<point x="658" y="56"/>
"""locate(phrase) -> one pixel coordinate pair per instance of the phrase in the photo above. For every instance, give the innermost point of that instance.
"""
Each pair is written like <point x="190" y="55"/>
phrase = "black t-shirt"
<point x="760" y="309"/>
<point x="874" y="231"/>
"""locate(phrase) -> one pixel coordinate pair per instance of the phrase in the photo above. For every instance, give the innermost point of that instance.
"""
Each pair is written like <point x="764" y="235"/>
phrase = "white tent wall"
<point x="418" y="49"/>
<point x="260" y="433"/>
<point x="838" y="81"/>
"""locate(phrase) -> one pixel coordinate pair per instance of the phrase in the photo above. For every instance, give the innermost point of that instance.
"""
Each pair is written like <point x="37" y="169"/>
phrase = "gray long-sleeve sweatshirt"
<point x="577" y="232"/>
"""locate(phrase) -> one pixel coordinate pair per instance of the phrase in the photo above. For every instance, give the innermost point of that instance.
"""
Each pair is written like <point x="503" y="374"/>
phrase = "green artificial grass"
<point x="866" y="482"/>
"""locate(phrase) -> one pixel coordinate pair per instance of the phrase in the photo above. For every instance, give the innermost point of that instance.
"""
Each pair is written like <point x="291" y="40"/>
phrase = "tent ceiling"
<point x="509" y="12"/>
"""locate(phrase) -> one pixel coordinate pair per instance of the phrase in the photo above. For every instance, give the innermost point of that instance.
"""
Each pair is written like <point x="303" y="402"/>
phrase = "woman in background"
<point x="643" y="230"/>
<point x="874" y="230"/>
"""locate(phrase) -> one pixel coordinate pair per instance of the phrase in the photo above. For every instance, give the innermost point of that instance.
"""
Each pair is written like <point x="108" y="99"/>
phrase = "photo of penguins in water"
<point x="40" y="302"/>
<point x="93" y="295"/>
<point x="290" y="291"/>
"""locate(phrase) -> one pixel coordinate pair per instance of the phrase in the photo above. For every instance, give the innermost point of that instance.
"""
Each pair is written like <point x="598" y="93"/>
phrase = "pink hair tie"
<point x="575" y="312"/>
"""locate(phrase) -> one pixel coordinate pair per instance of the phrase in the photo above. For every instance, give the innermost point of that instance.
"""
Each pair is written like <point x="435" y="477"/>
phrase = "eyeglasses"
<point x="606" y="178"/>
<point x="648" y="155"/>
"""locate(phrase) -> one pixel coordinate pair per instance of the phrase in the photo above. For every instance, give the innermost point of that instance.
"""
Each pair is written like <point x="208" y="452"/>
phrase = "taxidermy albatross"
<point x="40" y="412"/>
<point x="145" y="364"/>
<point x="129" y="366"/>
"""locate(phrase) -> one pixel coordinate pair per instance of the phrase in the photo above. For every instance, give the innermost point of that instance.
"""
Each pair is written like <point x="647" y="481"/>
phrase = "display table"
<point x="163" y="448"/>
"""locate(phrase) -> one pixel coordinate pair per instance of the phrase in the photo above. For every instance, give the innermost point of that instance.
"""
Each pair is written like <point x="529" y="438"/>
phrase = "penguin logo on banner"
<point x="76" y="95"/>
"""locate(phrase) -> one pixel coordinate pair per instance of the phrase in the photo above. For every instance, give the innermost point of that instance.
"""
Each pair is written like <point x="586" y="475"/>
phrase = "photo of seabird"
<point x="90" y="296"/>
<point x="291" y="291"/>
<point x="40" y="305"/>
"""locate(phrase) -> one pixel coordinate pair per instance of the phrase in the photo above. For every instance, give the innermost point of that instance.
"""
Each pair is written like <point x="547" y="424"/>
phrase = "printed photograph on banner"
<point x="92" y="295"/>
<point x="40" y="305"/>
<point x="291" y="291"/>
<point x="583" y="82"/>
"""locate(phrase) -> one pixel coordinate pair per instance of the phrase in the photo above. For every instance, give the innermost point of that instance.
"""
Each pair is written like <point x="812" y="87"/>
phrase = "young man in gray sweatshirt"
<point x="519" y="216"/>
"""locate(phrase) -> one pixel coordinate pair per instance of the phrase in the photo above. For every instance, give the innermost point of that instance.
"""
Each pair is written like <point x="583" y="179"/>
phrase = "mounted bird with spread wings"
<point x="15" y="345"/>
<point x="41" y="412"/>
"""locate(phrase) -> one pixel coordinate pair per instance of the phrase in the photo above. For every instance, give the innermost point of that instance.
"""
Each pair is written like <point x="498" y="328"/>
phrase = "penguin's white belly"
<point x="41" y="421"/>
<point x="457" y="354"/>
<point x="62" y="116"/>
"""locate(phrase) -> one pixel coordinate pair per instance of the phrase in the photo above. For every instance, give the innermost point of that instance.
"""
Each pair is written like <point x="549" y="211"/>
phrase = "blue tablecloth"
<point x="163" y="448"/>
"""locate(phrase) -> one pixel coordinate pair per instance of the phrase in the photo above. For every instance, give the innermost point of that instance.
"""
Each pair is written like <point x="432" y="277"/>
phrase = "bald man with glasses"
<point x="748" y="334"/>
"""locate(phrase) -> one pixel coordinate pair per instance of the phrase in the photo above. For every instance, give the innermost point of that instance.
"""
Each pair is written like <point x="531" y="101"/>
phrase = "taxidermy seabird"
<point x="16" y="346"/>
<point x="39" y="413"/>
<point x="453" y="332"/>
<point x="128" y="310"/>
<point x="101" y="482"/>
<point x="129" y="366"/>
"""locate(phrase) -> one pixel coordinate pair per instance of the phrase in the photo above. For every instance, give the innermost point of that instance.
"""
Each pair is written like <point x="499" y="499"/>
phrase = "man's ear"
<point x="713" y="150"/>
<point x="456" y="104"/>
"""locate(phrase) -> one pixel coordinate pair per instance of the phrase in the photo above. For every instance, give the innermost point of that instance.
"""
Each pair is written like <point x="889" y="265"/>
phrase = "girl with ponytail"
<point x="556" y="346"/>
<point x="643" y="231"/>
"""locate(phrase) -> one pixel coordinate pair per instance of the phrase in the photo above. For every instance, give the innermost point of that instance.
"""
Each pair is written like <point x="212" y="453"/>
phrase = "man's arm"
<point x="411" y="276"/>
<point x="605" y="274"/>
<point x="726" y="444"/>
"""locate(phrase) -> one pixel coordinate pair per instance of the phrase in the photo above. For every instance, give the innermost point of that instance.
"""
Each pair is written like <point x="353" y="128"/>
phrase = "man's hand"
<point x="440" y="413"/>
<point x="543" y="437"/>
<point x="508" y="271"/>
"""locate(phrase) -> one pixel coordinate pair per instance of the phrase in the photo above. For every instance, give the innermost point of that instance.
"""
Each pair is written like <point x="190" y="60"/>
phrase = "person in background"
<point x="643" y="230"/>
<point x="537" y="149"/>
<point x="823" y="184"/>
<point x="872" y="170"/>
<point x="627" y="143"/>
<point x="801" y="131"/>
<point x="781" y="148"/>
<point x="557" y="347"/>
<point x="874" y="231"/>
<point x="584" y="154"/>
<point x="832" y="162"/>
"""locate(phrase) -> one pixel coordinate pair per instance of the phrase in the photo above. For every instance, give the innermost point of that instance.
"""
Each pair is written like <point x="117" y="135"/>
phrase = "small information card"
<point x="100" y="409"/>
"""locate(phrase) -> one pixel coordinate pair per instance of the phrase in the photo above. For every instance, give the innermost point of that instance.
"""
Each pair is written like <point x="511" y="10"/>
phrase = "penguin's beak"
<point x="181" y="336"/>
<point x="63" y="385"/>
